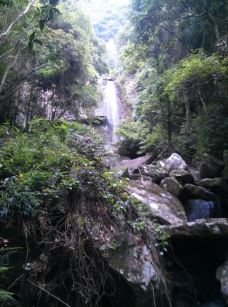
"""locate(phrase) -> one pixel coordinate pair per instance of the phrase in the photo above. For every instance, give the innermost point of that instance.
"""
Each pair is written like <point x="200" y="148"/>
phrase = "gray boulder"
<point x="174" y="162"/>
<point x="199" y="229"/>
<point x="155" y="171"/>
<point x="172" y="186"/>
<point x="162" y="206"/>
<point x="132" y="256"/>
<point x="129" y="168"/>
<point x="193" y="191"/>
<point x="161" y="169"/>
<point x="182" y="176"/>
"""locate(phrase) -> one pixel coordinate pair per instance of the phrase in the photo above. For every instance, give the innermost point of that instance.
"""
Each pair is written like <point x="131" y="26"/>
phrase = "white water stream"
<point x="110" y="104"/>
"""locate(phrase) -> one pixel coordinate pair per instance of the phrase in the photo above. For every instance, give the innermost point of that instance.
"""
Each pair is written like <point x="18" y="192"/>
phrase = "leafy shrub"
<point x="35" y="166"/>
<point x="137" y="138"/>
<point x="196" y="66"/>
<point x="130" y="139"/>
<point x="6" y="297"/>
<point x="212" y="131"/>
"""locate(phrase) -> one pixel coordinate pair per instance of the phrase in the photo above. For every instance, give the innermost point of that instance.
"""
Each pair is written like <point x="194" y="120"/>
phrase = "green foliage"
<point x="162" y="239"/>
<point x="132" y="134"/>
<point x="63" y="58"/>
<point x="192" y="68"/>
<point x="138" y="225"/>
<point x="178" y="57"/>
<point x="17" y="199"/>
<point x="6" y="297"/>
<point x="137" y="138"/>
<point x="212" y="131"/>
<point x="38" y="164"/>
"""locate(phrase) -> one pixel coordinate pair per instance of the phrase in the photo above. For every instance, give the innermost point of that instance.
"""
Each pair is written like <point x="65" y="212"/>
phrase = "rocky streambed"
<point x="190" y="208"/>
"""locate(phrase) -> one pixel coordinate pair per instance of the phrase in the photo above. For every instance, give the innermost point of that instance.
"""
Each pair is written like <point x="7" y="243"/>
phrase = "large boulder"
<point x="182" y="176"/>
<point x="210" y="167"/>
<point x="155" y="171"/>
<point x="127" y="254"/>
<point x="216" y="185"/>
<point x="174" y="162"/>
<point x="172" y="186"/>
<point x="193" y="191"/>
<point x="126" y="167"/>
<point x="161" y="169"/>
<point x="199" y="229"/>
<point x="162" y="206"/>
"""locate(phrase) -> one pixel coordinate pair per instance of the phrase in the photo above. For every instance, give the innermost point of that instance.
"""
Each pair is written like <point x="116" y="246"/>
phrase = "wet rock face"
<point x="212" y="183"/>
<point x="192" y="191"/>
<point x="199" y="229"/>
<point x="133" y="260"/>
<point x="172" y="186"/>
<point x="222" y="276"/>
<point x="162" y="206"/>
<point x="132" y="257"/>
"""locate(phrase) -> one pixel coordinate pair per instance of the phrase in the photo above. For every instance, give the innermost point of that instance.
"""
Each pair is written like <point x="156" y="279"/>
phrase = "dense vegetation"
<point x="177" y="52"/>
<point x="49" y="61"/>
<point x="60" y="206"/>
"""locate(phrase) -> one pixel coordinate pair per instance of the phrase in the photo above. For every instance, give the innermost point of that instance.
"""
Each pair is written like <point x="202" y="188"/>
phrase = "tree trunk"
<point x="215" y="24"/>
<point x="8" y="68"/>
<point x="202" y="100"/>
<point x="169" y="127"/>
<point x="188" y="113"/>
<point x="29" y="106"/>
<point x="16" y="108"/>
<point x="4" y="34"/>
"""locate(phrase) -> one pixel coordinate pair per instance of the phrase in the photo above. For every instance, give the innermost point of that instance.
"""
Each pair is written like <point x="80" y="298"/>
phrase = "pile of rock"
<point x="190" y="205"/>
<point x="206" y="183"/>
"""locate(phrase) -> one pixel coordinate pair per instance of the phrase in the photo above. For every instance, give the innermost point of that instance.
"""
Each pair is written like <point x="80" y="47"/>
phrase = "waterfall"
<point x="109" y="107"/>
<point x="200" y="209"/>
<point x="111" y="101"/>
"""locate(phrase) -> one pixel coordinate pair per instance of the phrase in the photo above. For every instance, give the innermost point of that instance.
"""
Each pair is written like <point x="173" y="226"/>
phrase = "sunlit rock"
<point x="174" y="162"/>
<point x="200" y="228"/>
<point x="162" y="206"/>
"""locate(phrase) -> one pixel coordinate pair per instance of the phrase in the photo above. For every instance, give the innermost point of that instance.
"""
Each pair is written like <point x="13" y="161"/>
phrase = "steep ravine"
<point x="191" y="210"/>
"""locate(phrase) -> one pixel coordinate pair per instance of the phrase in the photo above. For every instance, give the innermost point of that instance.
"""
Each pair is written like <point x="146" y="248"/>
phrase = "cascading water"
<point x="110" y="105"/>
<point x="200" y="209"/>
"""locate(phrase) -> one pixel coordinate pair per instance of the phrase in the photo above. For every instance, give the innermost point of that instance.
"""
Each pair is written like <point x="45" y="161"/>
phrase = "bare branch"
<point x="4" y="34"/>
<point x="49" y="293"/>
<point x="8" y="68"/>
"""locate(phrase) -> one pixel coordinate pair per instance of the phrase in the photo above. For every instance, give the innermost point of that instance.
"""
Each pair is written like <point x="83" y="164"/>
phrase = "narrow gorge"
<point x="113" y="153"/>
